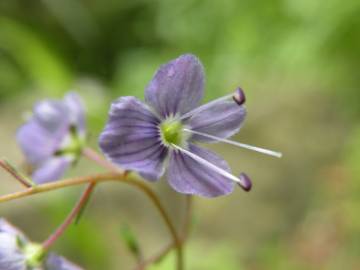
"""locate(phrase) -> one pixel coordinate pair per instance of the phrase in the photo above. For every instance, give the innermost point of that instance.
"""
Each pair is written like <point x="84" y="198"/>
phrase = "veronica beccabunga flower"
<point x="18" y="253"/>
<point x="53" y="138"/>
<point x="165" y="129"/>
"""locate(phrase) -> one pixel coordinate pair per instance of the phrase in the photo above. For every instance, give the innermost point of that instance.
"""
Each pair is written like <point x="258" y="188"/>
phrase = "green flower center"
<point x="74" y="144"/>
<point x="172" y="132"/>
<point x="34" y="254"/>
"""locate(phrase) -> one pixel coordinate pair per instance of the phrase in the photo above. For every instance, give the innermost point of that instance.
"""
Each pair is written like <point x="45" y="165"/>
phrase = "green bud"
<point x="34" y="254"/>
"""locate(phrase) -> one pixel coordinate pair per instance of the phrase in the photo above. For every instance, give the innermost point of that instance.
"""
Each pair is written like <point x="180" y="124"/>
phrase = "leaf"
<point x="130" y="240"/>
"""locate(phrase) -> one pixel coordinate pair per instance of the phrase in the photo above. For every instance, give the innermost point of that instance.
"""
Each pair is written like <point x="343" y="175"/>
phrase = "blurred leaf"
<point x="34" y="56"/>
<point x="130" y="240"/>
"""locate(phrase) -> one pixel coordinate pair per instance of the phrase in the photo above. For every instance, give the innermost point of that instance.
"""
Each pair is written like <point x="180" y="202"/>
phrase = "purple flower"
<point x="18" y="253"/>
<point x="143" y="136"/>
<point x="53" y="137"/>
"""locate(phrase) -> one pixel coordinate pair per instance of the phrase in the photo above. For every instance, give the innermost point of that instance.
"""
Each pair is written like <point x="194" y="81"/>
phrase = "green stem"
<point x="188" y="217"/>
<point x="185" y="233"/>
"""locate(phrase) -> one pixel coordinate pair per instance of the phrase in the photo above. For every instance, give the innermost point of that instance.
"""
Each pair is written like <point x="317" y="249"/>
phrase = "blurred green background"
<point x="298" y="62"/>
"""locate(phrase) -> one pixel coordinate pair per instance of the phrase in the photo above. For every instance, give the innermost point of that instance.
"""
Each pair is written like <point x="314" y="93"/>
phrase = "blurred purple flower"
<point x="53" y="137"/>
<point x="55" y="262"/>
<point x="18" y="253"/>
<point x="141" y="136"/>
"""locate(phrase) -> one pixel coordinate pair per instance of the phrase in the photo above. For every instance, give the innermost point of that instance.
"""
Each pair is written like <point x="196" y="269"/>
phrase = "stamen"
<point x="209" y="104"/>
<point x="241" y="181"/>
<point x="242" y="145"/>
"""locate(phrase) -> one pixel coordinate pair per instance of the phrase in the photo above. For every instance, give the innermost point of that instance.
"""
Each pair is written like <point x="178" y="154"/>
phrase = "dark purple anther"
<point x="239" y="96"/>
<point x="245" y="182"/>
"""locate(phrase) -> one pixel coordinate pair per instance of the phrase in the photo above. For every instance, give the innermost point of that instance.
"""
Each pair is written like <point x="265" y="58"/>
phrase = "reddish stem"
<point x="60" y="230"/>
<point x="97" y="158"/>
<point x="7" y="167"/>
<point x="93" y="156"/>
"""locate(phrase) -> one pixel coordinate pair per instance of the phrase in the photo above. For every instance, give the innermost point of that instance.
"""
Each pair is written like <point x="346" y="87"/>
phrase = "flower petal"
<point x="51" y="169"/>
<point x="131" y="138"/>
<point x="7" y="227"/>
<point x="221" y="119"/>
<point x="55" y="262"/>
<point x="43" y="134"/>
<point x="76" y="111"/>
<point x="52" y="115"/>
<point x="177" y="86"/>
<point x="188" y="176"/>
<point x="37" y="142"/>
<point x="10" y="255"/>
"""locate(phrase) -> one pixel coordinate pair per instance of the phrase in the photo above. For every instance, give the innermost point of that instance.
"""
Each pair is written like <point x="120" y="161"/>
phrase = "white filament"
<point x="210" y="165"/>
<point x="242" y="145"/>
<point x="198" y="109"/>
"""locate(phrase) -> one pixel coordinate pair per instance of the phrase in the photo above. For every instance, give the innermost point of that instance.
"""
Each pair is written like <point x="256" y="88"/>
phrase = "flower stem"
<point x="124" y="177"/>
<point x="69" y="219"/>
<point x="64" y="183"/>
<point x="188" y="217"/>
<point x="100" y="160"/>
<point x="92" y="155"/>
<point x="11" y="170"/>
<point x="177" y="242"/>
<point x="185" y="233"/>
<point x="82" y="202"/>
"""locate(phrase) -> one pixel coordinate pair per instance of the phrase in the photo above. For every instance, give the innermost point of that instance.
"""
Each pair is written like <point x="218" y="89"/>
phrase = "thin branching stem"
<point x="124" y="177"/>
<point x="7" y="167"/>
<point x="185" y="233"/>
<point x="188" y="217"/>
<point x="79" y="206"/>
<point x="94" y="156"/>
<point x="69" y="219"/>
<point x="97" y="158"/>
